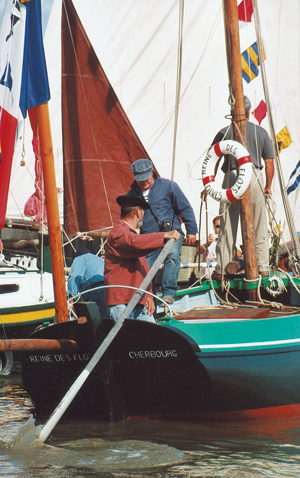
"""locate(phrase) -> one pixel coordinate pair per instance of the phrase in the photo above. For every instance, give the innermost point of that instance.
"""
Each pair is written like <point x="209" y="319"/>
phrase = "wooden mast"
<point x="61" y="306"/>
<point x="238" y="113"/>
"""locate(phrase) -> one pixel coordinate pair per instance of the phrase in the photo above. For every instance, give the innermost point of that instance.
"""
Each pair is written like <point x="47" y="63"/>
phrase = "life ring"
<point x="6" y="363"/>
<point x="243" y="158"/>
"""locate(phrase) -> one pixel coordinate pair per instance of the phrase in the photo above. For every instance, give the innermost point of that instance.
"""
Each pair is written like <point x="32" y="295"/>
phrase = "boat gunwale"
<point x="247" y="349"/>
<point x="42" y="305"/>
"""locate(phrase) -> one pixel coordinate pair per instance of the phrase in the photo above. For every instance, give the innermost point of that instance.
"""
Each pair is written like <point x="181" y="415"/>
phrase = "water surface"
<point x="145" y="448"/>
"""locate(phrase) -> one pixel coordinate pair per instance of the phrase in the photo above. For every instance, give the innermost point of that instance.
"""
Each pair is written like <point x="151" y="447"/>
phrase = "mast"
<point x="238" y="115"/>
<point x="61" y="306"/>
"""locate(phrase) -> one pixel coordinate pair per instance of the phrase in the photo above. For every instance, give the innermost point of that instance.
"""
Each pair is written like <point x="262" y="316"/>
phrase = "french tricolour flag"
<point x="23" y="78"/>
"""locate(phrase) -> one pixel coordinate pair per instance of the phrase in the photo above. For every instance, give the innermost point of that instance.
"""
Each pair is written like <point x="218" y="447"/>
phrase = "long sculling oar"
<point x="67" y="399"/>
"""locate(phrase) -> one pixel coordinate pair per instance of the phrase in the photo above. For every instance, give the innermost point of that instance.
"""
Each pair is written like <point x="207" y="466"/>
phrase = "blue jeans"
<point x="98" y="297"/>
<point x="139" y="312"/>
<point x="171" y="268"/>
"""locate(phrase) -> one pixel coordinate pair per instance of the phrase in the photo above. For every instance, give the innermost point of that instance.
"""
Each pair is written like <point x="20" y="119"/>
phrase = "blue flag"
<point x="34" y="87"/>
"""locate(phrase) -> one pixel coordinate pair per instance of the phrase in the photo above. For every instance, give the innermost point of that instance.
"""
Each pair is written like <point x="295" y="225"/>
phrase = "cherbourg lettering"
<point x="152" y="354"/>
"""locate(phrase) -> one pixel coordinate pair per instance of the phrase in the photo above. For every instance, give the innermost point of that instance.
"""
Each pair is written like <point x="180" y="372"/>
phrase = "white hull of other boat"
<point x="26" y="296"/>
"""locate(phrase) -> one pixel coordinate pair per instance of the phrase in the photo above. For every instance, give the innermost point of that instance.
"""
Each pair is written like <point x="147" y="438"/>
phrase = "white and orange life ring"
<point x="243" y="158"/>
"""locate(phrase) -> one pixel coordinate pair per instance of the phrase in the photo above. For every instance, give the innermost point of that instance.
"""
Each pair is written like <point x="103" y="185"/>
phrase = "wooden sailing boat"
<point x="223" y="364"/>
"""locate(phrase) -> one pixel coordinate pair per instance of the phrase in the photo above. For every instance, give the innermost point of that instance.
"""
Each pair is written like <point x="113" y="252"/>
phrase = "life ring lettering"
<point x="212" y="187"/>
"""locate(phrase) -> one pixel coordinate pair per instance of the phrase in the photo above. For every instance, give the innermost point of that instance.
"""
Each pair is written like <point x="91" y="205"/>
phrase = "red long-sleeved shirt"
<point x="125" y="263"/>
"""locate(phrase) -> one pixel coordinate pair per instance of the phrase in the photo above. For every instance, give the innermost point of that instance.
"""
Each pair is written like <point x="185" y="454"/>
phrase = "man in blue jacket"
<point x="169" y="207"/>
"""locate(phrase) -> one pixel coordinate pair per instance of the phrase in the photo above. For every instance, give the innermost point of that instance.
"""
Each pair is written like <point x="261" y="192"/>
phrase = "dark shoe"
<point x="168" y="298"/>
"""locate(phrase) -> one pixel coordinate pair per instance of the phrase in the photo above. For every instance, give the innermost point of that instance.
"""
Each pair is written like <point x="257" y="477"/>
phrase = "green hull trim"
<point x="240" y="334"/>
<point x="27" y="308"/>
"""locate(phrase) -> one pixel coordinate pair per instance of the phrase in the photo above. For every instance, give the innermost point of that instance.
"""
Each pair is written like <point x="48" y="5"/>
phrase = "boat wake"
<point x="127" y="454"/>
<point x="93" y="453"/>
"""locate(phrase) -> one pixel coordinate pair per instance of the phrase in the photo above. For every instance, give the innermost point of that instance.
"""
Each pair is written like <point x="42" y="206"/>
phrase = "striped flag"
<point x="23" y="78"/>
<point x="250" y="62"/>
<point x="294" y="179"/>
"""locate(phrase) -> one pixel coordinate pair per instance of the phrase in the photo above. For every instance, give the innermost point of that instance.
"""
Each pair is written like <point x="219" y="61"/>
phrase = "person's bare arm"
<point x="269" y="170"/>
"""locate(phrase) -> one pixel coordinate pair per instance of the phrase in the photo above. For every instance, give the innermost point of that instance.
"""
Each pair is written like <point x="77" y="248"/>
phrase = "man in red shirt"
<point x="125" y="262"/>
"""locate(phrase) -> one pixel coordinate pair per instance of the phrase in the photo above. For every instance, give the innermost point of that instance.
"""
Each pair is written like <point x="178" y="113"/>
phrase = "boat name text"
<point x="217" y="195"/>
<point x="205" y="163"/>
<point x="60" y="358"/>
<point x="152" y="354"/>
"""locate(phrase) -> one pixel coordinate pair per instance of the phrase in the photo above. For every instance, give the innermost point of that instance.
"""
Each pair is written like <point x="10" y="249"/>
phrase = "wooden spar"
<point x="32" y="345"/>
<point x="236" y="85"/>
<point x="61" y="306"/>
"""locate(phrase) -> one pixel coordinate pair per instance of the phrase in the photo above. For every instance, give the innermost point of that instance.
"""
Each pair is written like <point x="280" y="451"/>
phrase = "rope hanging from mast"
<point x="178" y="83"/>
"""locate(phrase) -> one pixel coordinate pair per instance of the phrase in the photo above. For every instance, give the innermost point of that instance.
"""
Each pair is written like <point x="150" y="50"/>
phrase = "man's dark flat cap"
<point x="132" y="201"/>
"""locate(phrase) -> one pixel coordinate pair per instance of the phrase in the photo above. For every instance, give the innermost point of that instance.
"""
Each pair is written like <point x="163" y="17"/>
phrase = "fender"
<point x="212" y="187"/>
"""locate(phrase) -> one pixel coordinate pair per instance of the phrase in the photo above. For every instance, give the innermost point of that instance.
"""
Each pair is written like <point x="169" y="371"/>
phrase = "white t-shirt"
<point x="210" y="256"/>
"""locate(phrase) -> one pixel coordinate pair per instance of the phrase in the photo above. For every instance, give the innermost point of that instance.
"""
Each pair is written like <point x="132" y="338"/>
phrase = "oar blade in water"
<point x="27" y="436"/>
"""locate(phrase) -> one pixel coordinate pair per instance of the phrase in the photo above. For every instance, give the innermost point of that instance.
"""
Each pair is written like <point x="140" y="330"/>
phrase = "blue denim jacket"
<point x="168" y="202"/>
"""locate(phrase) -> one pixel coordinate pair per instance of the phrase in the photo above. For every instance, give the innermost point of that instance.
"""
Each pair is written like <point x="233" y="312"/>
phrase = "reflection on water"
<point x="146" y="448"/>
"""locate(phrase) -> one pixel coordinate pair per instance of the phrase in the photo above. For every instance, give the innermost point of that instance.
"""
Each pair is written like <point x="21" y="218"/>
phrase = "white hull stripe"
<point x="250" y="344"/>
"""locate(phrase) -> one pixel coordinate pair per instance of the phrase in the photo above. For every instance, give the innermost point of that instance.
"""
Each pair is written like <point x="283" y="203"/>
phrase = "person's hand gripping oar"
<point x="67" y="399"/>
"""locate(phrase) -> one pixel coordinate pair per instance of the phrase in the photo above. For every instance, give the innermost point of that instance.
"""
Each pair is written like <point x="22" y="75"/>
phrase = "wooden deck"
<point x="225" y="313"/>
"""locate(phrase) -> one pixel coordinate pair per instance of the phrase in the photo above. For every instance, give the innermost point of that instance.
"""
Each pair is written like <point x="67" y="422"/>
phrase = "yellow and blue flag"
<point x="250" y="62"/>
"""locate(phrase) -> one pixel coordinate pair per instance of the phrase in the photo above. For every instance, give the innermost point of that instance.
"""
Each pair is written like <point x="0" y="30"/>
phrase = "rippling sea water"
<point x="145" y="448"/>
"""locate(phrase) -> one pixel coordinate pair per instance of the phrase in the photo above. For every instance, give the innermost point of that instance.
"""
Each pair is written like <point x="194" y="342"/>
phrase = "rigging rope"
<point x="286" y="205"/>
<point x="156" y="135"/>
<point x="178" y="83"/>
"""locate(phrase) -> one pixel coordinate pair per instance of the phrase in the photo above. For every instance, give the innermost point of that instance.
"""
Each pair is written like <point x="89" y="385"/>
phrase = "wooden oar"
<point x="67" y="399"/>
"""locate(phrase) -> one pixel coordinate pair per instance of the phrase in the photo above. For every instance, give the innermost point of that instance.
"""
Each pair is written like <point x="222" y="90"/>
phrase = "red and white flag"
<point x="245" y="11"/>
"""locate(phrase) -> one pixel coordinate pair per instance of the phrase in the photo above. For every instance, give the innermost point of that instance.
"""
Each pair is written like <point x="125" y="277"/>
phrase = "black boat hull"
<point x="147" y="370"/>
